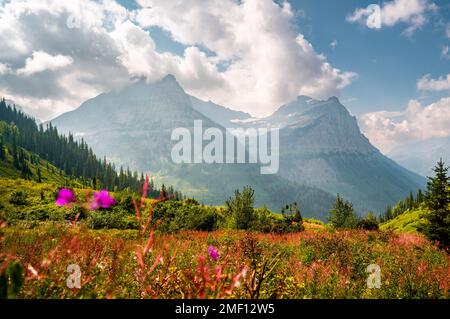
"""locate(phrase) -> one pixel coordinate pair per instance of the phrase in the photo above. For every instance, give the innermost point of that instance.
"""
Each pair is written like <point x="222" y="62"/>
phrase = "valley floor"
<point x="316" y="263"/>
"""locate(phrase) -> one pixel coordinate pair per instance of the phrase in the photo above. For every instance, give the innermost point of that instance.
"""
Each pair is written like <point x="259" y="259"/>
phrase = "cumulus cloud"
<point x="268" y="61"/>
<point x="42" y="61"/>
<point x="247" y="55"/>
<point x="387" y="130"/>
<point x="3" y="69"/>
<point x="426" y="83"/>
<point x="413" y="13"/>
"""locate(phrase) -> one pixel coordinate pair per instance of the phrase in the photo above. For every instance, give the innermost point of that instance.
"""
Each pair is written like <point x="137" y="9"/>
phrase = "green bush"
<point x="19" y="198"/>
<point x="72" y="212"/>
<point x="125" y="201"/>
<point x="111" y="219"/>
<point x="177" y="215"/>
<point x="287" y="225"/>
<point x="367" y="224"/>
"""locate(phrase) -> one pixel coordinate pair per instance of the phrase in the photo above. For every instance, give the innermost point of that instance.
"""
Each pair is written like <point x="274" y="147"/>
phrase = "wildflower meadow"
<point x="54" y="259"/>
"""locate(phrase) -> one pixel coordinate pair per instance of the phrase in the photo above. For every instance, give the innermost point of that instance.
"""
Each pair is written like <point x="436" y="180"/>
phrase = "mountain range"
<point x="322" y="151"/>
<point x="422" y="156"/>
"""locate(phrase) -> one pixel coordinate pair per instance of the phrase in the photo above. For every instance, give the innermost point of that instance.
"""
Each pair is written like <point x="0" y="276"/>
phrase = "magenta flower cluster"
<point x="213" y="253"/>
<point x="101" y="199"/>
<point x="65" y="197"/>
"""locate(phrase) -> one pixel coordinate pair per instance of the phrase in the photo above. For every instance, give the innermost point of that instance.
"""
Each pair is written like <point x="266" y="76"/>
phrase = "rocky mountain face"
<point x="322" y="151"/>
<point x="133" y="128"/>
<point x="322" y="146"/>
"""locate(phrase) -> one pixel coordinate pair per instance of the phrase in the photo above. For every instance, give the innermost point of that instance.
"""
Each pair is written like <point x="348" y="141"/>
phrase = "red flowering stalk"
<point x="213" y="281"/>
<point x="144" y="272"/>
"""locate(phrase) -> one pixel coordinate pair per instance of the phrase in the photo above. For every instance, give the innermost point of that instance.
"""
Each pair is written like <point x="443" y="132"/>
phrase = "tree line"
<point x="436" y="199"/>
<point x="73" y="157"/>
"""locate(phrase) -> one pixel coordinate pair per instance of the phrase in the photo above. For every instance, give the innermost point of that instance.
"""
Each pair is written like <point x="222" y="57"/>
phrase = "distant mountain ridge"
<point x="322" y="149"/>
<point x="422" y="156"/>
<point x="217" y="113"/>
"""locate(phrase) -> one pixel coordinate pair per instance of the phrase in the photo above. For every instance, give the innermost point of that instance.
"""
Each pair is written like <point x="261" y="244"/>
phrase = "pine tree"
<point x="2" y="150"/>
<point x="438" y="201"/>
<point x="163" y="192"/>
<point x="39" y="175"/>
<point x="297" y="215"/>
<point x="241" y="208"/>
<point x="342" y="215"/>
<point x="419" y="197"/>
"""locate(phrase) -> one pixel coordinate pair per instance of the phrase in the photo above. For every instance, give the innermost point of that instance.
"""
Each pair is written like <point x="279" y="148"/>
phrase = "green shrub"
<point x="288" y="224"/>
<point x="125" y="201"/>
<point x="191" y="201"/>
<point x="72" y="212"/>
<point x="367" y="224"/>
<point x="19" y="198"/>
<point x="115" y="219"/>
<point x="175" y="215"/>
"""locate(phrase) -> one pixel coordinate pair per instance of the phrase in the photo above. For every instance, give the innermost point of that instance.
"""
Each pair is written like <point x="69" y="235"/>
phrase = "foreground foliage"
<point x="221" y="264"/>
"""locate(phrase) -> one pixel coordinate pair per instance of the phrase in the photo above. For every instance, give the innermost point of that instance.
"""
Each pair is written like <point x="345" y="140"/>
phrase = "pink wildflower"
<point x="65" y="197"/>
<point x="102" y="199"/>
<point x="213" y="253"/>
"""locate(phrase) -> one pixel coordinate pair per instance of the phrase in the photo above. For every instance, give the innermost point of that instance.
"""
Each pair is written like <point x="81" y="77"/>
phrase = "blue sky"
<point x="387" y="62"/>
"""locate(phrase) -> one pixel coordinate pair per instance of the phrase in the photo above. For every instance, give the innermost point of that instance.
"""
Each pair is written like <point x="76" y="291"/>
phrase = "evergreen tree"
<point x="94" y="183"/>
<point x="438" y="201"/>
<point x="2" y="150"/>
<point x="342" y="214"/>
<point x="297" y="215"/>
<point x="241" y="208"/>
<point x="39" y="175"/>
<point x="419" y="198"/>
<point x="163" y="192"/>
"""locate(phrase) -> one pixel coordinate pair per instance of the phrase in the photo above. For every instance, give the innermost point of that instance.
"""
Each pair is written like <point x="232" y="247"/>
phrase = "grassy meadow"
<point x="40" y="242"/>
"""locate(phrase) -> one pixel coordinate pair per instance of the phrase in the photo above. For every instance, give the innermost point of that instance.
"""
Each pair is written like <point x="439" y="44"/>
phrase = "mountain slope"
<point x="422" y="156"/>
<point x="323" y="147"/>
<point x="217" y="113"/>
<point x="30" y="166"/>
<point x="133" y="128"/>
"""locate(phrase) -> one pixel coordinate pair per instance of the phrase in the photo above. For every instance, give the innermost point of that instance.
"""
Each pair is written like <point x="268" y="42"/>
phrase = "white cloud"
<point x="428" y="84"/>
<point x="334" y="44"/>
<point x="90" y="47"/>
<point x="447" y="31"/>
<point x="269" y="62"/>
<point x="41" y="61"/>
<point x="387" y="130"/>
<point x="411" y="12"/>
<point x="445" y="53"/>
<point x="3" y="69"/>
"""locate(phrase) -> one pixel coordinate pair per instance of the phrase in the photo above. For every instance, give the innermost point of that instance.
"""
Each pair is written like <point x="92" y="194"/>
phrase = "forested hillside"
<point x="32" y="151"/>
